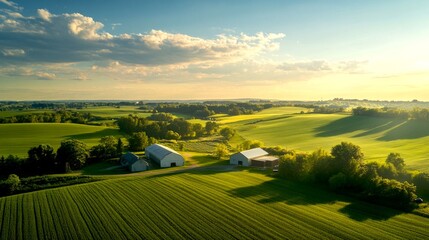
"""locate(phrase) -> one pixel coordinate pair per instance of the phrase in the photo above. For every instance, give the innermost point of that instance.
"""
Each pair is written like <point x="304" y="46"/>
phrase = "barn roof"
<point x="254" y="153"/>
<point x="159" y="151"/>
<point x="129" y="158"/>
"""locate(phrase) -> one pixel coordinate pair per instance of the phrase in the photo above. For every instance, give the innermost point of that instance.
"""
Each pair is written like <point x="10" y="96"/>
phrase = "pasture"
<point x="200" y="204"/>
<point x="308" y="132"/>
<point x="114" y="112"/>
<point x="18" y="138"/>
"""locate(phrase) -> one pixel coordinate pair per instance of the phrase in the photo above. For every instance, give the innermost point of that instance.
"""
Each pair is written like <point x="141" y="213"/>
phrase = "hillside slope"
<point x="376" y="136"/>
<point x="200" y="204"/>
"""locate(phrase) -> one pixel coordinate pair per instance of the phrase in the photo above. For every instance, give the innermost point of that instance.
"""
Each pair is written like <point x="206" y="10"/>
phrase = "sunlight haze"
<point x="298" y="50"/>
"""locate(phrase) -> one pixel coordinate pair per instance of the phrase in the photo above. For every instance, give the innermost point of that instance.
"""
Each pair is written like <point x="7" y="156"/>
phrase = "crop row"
<point x="239" y="205"/>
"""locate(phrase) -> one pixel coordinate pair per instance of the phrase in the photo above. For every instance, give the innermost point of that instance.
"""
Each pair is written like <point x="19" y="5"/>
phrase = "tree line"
<point x="416" y="113"/>
<point x="344" y="171"/>
<point x="204" y="110"/>
<point x="60" y="116"/>
<point x="166" y="127"/>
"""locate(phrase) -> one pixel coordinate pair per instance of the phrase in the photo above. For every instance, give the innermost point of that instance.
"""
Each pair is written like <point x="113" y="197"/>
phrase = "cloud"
<point x="13" y="52"/>
<point x="45" y="76"/>
<point x="114" y="25"/>
<point x="310" y="66"/>
<point x="324" y="66"/>
<point x="78" y="38"/>
<point x="11" y="4"/>
<point x="44" y="14"/>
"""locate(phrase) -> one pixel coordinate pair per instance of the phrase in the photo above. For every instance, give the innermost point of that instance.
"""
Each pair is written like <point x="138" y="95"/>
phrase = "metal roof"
<point x="254" y="153"/>
<point x="159" y="151"/>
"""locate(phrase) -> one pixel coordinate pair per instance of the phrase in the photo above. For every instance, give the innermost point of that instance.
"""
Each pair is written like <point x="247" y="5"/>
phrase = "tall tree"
<point x="138" y="141"/>
<point x="41" y="159"/>
<point x="73" y="153"/>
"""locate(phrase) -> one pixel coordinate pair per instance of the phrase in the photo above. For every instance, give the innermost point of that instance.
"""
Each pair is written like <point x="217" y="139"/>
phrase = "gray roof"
<point x="254" y="153"/>
<point x="159" y="151"/>
<point x="129" y="158"/>
<point x="266" y="158"/>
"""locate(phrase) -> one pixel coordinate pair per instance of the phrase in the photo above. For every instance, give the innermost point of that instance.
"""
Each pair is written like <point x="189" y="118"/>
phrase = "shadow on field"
<point x="280" y="190"/>
<point x="291" y="193"/>
<point x="361" y="211"/>
<point x="98" y="134"/>
<point x="350" y="124"/>
<point x="411" y="129"/>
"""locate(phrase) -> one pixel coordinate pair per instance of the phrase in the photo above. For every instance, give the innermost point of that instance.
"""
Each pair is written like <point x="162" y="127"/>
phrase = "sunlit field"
<point x="18" y="138"/>
<point x="307" y="132"/>
<point x="200" y="205"/>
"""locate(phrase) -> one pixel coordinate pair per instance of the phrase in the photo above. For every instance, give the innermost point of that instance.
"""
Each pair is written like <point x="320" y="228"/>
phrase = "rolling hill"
<point x="200" y="204"/>
<point x="376" y="136"/>
<point x="18" y="138"/>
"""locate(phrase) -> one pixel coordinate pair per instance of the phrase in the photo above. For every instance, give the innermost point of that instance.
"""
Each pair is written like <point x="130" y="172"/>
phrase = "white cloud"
<point x="44" y="14"/>
<point x="311" y="66"/>
<point x="11" y="4"/>
<point x="45" y="76"/>
<point x="13" y="52"/>
<point x="77" y="38"/>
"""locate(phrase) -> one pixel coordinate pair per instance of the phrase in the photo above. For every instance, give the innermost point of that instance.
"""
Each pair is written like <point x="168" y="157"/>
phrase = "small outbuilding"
<point x="164" y="156"/>
<point x="254" y="157"/>
<point x="133" y="162"/>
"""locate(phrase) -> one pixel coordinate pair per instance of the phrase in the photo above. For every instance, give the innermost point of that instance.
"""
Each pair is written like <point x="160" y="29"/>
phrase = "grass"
<point x="307" y="132"/>
<point x="113" y="112"/>
<point x="17" y="139"/>
<point x="11" y="113"/>
<point x="200" y="205"/>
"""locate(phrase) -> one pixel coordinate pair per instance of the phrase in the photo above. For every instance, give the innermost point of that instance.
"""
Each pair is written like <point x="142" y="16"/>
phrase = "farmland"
<point x="199" y="204"/>
<point x="18" y="138"/>
<point x="307" y="132"/>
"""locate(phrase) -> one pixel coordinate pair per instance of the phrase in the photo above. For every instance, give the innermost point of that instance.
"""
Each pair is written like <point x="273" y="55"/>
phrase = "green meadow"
<point x="18" y="138"/>
<point x="114" y="112"/>
<point x="199" y="204"/>
<point x="307" y="132"/>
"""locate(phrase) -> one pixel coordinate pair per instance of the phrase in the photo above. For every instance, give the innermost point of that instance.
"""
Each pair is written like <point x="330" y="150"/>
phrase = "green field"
<point x="307" y="132"/>
<point x="113" y="112"/>
<point x="11" y="113"/>
<point x="200" y="205"/>
<point x="18" y="138"/>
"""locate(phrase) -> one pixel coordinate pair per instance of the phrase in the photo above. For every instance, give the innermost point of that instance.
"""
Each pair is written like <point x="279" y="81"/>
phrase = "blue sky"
<point x="306" y="50"/>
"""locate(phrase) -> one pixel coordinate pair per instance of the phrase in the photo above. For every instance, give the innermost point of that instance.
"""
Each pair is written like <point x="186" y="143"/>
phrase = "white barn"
<point x="139" y="165"/>
<point x="255" y="157"/>
<point x="164" y="156"/>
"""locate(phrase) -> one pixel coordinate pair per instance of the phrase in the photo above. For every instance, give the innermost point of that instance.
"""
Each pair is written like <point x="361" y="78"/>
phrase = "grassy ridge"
<point x="307" y="132"/>
<point x="17" y="138"/>
<point x="203" y="205"/>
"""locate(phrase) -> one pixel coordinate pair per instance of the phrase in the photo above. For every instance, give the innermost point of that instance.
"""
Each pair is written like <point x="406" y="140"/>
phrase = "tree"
<point x="41" y="159"/>
<point x="138" y="141"/>
<point x="198" y="129"/>
<point x="73" y="153"/>
<point x="396" y="160"/>
<point x="119" y="147"/>
<point x="221" y="151"/>
<point x="347" y="157"/>
<point x="227" y="133"/>
<point x="10" y="185"/>
<point x="249" y="144"/>
<point x="172" y="135"/>
<point x="105" y="150"/>
<point x="211" y="127"/>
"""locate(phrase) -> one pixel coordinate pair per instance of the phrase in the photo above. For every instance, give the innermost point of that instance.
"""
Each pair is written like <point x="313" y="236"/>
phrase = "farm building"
<point x="133" y="162"/>
<point x="254" y="157"/>
<point x="164" y="156"/>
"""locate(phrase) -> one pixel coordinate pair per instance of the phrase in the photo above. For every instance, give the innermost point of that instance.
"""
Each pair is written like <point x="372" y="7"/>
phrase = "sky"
<point x="189" y="49"/>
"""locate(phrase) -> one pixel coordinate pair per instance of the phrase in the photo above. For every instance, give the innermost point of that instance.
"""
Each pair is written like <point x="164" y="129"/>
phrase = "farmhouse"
<point x="133" y="162"/>
<point x="254" y="157"/>
<point x="164" y="156"/>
